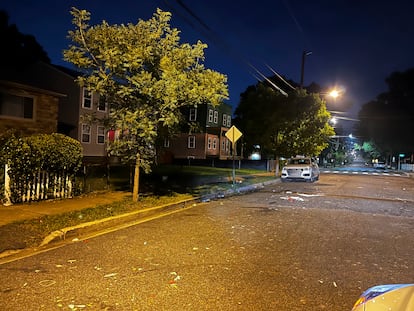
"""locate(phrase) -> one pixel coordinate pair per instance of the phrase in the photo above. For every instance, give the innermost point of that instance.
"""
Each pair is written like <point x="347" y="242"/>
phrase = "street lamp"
<point x="334" y="93"/>
<point x="302" y="73"/>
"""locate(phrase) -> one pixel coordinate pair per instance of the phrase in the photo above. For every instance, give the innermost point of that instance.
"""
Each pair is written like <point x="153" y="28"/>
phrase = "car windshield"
<point x="299" y="161"/>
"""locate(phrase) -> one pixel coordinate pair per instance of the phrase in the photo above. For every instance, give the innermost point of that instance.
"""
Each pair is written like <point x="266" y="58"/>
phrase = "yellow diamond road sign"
<point x="233" y="134"/>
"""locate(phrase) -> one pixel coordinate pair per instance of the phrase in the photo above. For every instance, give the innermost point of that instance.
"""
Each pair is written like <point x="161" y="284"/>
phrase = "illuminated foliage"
<point x="28" y="156"/>
<point x="145" y="73"/>
<point x="51" y="153"/>
<point x="284" y="126"/>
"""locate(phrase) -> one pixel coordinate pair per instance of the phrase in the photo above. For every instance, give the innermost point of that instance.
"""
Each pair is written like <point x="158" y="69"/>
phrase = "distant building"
<point x="202" y="135"/>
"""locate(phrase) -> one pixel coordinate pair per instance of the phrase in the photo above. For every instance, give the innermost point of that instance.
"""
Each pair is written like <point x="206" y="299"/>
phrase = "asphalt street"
<point x="290" y="246"/>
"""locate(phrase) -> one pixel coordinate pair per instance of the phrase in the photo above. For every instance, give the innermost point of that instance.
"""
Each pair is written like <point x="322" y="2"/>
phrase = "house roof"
<point x="30" y="88"/>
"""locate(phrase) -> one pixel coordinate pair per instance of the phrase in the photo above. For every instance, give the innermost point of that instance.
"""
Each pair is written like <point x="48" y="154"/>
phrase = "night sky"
<point x="355" y="44"/>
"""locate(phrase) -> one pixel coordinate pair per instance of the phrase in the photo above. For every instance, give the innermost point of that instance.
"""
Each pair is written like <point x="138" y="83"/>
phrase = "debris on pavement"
<point x="174" y="278"/>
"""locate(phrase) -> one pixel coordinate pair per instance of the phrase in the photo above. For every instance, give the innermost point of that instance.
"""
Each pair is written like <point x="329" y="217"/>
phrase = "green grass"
<point x="202" y="170"/>
<point x="167" y="178"/>
<point x="202" y="180"/>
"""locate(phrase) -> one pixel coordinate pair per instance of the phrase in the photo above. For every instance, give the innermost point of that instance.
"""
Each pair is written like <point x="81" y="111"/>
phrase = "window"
<point x="210" y="115"/>
<point x="86" y="133"/>
<point x="226" y="120"/>
<point x="101" y="135"/>
<point x="193" y="114"/>
<point x="102" y="103"/>
<point x="215" y="117"/>
<point x="16" y="106"/>
<point x="191" y="142"/>
<point x="225" y="145"/>
<point x="166" y="143"/>
<point x="215" y="143"/>
<point x="209" y="143"/>
<point x="86" y="99"/>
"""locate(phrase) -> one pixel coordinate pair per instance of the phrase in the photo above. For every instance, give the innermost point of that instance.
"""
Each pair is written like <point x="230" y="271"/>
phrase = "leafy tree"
<point x="146" y="74"/>
<point x="368" y="148"/>
<point x="283" y="126"/>
<point x="388" y="121"/>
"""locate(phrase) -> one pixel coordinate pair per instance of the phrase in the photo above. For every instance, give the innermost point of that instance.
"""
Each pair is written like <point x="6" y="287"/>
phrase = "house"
<point x="75" y="103"/>
<point x="28" y="110"/>
<point x="202" y="135"/>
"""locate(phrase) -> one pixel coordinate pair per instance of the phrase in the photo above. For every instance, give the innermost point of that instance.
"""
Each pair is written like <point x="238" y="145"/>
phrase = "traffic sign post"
<point x="401" y="155"/>
<point x="233" y="134"/>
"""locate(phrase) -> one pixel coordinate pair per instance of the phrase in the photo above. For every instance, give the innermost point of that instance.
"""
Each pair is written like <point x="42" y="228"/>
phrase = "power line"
<point x="218" y="41"/>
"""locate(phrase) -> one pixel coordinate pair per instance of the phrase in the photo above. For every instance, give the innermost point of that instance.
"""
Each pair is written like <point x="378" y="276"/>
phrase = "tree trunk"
<point x="135" y="193"/>
<point x="277" y="166"/>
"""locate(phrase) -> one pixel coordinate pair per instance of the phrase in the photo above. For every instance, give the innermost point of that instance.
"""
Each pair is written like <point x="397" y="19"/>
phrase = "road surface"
<point x="291" y="246"/>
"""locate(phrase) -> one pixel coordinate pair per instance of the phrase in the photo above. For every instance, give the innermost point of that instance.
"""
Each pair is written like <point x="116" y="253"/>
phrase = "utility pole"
<point x="302" y="72"/>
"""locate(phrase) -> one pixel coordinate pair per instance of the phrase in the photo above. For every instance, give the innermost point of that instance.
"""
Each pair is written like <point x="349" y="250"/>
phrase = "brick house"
<point x="73" y="104"/>
<point x="202" y="135"/>
<point x="28" y="110"/>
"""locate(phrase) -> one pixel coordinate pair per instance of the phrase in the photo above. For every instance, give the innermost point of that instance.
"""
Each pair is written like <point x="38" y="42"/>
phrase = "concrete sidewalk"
<point x="17" y="212"/>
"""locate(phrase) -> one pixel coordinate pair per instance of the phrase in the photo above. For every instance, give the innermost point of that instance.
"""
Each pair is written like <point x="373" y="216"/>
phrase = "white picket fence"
<point x="42" y="186"/>
<point x="407" y="167"/>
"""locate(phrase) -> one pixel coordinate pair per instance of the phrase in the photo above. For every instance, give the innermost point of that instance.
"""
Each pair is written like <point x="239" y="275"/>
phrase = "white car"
<point x="380" y="165"/>
<point x="300" y="168"/>
<point x="389" y="297"/>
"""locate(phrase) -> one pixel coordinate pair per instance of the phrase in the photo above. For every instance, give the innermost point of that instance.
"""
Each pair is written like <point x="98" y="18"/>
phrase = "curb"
<point x="64" y="233"/>
<point x="230" y="192"/>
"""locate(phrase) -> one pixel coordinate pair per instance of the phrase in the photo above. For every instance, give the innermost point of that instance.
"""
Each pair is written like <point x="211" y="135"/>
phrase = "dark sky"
<point x="355" y="44"/>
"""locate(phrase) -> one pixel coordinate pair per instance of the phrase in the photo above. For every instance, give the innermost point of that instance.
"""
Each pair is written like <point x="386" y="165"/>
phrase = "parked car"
<point x="380" y="165"/>
<point x="300" y="168"/>
<point x="395" y="297"/>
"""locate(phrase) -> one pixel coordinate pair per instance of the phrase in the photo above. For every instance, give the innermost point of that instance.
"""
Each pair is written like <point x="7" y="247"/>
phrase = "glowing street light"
<point x="334" y="93"/>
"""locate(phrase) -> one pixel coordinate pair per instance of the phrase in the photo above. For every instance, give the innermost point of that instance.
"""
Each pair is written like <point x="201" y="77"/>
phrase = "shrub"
<point x="27" y="156"/>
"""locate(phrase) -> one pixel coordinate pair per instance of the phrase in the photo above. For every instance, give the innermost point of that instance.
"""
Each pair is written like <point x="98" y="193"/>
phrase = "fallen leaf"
<point x="110" y="275"/>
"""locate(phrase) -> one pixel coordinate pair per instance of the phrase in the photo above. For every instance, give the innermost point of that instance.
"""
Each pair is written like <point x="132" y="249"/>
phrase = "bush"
<point x="27" y="156"/>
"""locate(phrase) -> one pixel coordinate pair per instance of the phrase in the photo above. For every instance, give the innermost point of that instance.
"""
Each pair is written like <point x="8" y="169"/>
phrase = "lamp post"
<point x="302" y="72"/>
